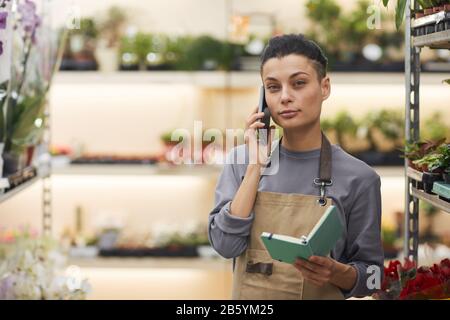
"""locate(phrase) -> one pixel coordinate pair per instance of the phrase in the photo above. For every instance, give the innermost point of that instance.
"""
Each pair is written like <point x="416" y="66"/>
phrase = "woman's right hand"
<point x="258" y="152"/>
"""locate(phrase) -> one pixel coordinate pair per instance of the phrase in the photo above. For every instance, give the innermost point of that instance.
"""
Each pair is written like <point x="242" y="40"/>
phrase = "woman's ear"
<point x="325" y="87"/>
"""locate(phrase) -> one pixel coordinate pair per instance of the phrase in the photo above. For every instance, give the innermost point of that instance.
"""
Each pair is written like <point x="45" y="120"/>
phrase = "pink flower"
<point x="29" y="19"/>
<point x="3" y="17"/>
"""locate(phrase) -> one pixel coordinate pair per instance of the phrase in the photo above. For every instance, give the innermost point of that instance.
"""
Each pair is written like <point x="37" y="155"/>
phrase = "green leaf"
<point x="25" y="131"/>
<point x="447" y="81"/>
<point x="400" y="13"/>
<point x="385" y="2"/>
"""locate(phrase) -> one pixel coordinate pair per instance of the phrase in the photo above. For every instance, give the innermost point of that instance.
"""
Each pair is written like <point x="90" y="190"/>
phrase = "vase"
<point x="107" y="58"/>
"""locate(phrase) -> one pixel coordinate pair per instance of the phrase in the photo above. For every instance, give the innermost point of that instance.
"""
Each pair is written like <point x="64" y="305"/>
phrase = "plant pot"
<point x="446" y="177"/>
<point x="428" y="11"/>
<point x="13" y="162"/>
<point x="29" y="156"/>
<point x="428" y="179"/>
<point x="414" y="166"/>
<point x="419" y="14"/>
<point x="107" y="59"/>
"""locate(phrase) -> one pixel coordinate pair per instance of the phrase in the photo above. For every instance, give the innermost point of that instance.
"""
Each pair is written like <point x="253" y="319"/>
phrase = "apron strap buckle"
<point x="322" y="184"/>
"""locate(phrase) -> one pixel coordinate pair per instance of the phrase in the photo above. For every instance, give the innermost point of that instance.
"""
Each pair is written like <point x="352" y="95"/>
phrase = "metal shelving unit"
<point x="413" y="45"/>
<point x="11" y="193"/>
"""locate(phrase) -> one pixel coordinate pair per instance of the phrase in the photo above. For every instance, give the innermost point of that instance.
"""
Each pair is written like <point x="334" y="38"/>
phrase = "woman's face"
<point x="293" y="91"/>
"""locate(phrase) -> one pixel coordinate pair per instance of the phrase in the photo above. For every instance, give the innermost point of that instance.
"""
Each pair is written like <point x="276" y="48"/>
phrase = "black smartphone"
<point x="262" y="107"/>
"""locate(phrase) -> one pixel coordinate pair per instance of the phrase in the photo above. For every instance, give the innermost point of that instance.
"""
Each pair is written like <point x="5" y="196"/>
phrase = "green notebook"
<point x="319" y="242"/>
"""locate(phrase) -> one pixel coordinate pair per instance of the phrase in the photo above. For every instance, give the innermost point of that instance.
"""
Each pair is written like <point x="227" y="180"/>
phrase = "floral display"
<point x="32" y="268"/>
<point x="407" y="282"/>
<point x="35" y="60"/>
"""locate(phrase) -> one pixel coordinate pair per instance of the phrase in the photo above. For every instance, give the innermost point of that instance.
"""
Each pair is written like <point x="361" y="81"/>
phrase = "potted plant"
<point x="446" y="175"/>
<point x="416" y="150"/>
<point x="175" y="49"/>
<point x="329" y="23"/>
<point x="369" y="131"/>
<point x="128" y="60"/>
<point x="387" y="132"/>
<point x="434" y="127"/>
<point x="24" y="122"/>
<point x="81" y="46"/>
<point x="6" y="36"/>
<point x="205" y="53"/>
<point x="444" y="149"/>
<point x="428" y="7"/>
<point x="142" y="43"/>
<point x="432" y="169"/>
<point x="159" y="58"/>
<point x="345" y="128"/>
<point x="110" y="32"/>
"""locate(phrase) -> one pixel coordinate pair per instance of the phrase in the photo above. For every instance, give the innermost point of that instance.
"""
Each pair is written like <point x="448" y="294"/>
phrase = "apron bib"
<point x="256" y="275"/>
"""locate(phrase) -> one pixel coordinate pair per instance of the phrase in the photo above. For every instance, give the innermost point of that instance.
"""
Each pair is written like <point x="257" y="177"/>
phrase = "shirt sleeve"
<point x="363" y="245"/>
<point x="228" y="234"/>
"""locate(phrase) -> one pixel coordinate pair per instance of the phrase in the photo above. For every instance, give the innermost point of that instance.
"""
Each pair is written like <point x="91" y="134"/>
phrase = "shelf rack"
<point x="20" y="188"/>
<point x="413" y="45"/>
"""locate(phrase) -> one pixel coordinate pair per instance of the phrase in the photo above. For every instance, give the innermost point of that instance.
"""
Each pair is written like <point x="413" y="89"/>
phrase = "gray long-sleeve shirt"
<point x="355" y="193"/>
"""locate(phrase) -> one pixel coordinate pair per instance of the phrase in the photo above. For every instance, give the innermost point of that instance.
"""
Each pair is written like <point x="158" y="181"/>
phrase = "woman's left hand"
<point x="318" y="270"/>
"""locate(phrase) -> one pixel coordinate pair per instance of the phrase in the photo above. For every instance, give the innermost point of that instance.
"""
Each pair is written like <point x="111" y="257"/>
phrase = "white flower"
<point x="32" y="269"/>
<point x="7" y="287"/>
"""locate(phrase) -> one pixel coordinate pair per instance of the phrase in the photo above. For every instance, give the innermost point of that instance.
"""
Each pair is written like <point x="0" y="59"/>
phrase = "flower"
<point x="3" y="17"/>
<point x="29" y="19"/>
<point x="408" y="282"/>
<point x="33" y="268"/>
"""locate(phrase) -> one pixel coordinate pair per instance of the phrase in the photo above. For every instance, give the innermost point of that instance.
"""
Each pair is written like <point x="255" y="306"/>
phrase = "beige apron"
<point x="256" y="275"/>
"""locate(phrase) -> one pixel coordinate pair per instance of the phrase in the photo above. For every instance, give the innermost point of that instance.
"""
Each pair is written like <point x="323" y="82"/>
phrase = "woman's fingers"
<point x="256" y="125"/>
<point x="253" y="117"/>
<point x="312" y="276"/>
<point x="315" y="268"/>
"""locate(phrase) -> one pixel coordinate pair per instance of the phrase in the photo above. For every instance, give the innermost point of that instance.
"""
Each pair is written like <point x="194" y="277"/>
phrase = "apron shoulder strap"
<point x="325" y="160"/>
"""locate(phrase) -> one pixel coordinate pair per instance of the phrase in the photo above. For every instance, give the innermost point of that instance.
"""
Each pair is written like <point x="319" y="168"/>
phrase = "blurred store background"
<point x="129" y="219"/>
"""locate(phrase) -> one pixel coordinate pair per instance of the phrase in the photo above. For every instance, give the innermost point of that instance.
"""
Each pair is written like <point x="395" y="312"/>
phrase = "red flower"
<point x="392" y="270"/>
<point x="408" y="265"/>
<point x="428" y="282"/>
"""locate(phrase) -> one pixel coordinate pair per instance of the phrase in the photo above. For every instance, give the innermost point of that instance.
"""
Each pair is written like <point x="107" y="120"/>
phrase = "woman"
<point x="311" y="175"/>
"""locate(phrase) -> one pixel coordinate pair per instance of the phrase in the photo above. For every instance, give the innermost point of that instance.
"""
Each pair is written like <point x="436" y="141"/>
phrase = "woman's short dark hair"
<point x="281" y="46"/>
